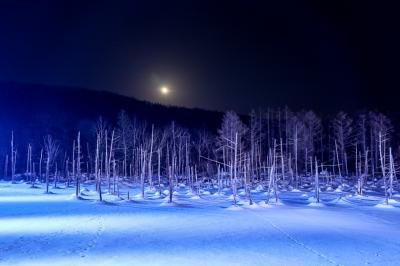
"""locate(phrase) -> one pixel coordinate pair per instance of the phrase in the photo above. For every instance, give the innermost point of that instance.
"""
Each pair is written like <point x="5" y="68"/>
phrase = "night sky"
<point x="219" y="55"/>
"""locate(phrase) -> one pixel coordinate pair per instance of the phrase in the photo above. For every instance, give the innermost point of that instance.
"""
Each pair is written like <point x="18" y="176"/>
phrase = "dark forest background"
<point x="34" y="111"/>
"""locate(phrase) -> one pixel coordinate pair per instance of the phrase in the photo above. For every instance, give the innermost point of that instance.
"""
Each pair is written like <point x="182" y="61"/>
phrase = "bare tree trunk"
<point x="110" y="161"/>
<point x="6" y="167"/>
<point x="171" y="185"/>
<point x="391" y="173"/>
<point x="51" y="148"/>
<point x="143" y="173"/>
<point x="337" y="159"/>
<point x="295" y="158"/>
<point x="365" y="171"/>
<point x="55" y="176"/>
<point x="27" y="159"/>
<point x="316" y="181"/>
<point x="67" y="173"/>
<point x="74" y="170"/>
<point x="89" y="162"/>
<point x="271" y="182"/>
<point x="234" y="181"/>
<point x="159" y="170"/>
<point x="282" y="162"/>
<point x="198" y="184"/>
<point x="219" y="180"/>
<point x="13" y="157"/>
<point x="150" y="171"/>
<point x="78" y="165"/>
<point x="275" y="174"/>
<point x="114" y="175"/>
<point x="248" y="181"/>
<point x="40" y="164"/>
<point x="47" y="173"/>
<point x="381" y="156"/>
<point x="98" y="173"/>
<point x="356" y="162"/>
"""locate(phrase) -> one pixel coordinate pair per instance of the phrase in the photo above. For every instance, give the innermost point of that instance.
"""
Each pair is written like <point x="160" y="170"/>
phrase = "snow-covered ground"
<point x="57" y="229"/>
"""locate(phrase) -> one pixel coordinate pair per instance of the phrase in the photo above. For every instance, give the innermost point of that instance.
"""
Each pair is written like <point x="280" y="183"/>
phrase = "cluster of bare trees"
<point x="271" y="148"/>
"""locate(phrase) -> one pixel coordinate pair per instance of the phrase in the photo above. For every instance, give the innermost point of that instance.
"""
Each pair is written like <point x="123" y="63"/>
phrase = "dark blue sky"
<point x="213" y="54"/>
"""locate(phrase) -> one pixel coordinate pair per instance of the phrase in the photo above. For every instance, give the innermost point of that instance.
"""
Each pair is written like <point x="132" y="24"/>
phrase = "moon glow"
<point x="164" y="90"/>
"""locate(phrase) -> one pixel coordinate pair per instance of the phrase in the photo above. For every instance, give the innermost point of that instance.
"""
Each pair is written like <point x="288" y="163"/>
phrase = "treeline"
<point x="273" y="148"/>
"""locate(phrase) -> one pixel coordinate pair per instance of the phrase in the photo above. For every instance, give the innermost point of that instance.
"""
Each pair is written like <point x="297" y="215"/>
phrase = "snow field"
<point x="58" y="229"/>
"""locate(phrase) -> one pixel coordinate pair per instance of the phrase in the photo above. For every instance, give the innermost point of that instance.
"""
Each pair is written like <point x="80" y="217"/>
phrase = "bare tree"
<point x="13" y="157"/>
<point x="230" y="141"/>
<point x="316" y="181"/>
<point x="296" y="131"/>
<point x="125" y="133"/>
<point x="51" y="148"/>
<point x="342" y="134"/>
<point x="97" y="166"/>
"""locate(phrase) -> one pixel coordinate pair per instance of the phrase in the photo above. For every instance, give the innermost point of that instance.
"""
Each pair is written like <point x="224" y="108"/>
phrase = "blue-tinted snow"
<point x="58" y="229"/>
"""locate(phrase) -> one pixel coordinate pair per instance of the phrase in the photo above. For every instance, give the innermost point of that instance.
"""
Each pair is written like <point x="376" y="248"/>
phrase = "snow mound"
<point x="157" y="196"/>
<point x="358" y="196"/>
<point x="206" y="193"/>
<point x="277" y="203"/>
<point x="272" y="202"/>
<point x="195" y="197"/>
<point x="312" y="199"/>
<point x="259" y="188"/>
<point x="231" y="197"/>
<point x="263" y="204"/>
<point x="384" y="206"/>
<point x="189" y="193"/>
<point x="340" y="201"/>
<point x="234" y="208"/>
<point x="166" y="203"/>
<point x="74" y="197"/>
<point x="295" y="190"/>
<point x="393" y="201"/>
<point x="271" y="192"/>
<point x="150" y="190"/>
<point x="252" y="206"/>
<point x="316" y="204"/>
<point x="138" y="196"/>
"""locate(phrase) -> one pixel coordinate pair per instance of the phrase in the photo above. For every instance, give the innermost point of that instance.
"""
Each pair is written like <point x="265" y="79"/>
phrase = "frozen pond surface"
<point x="57" y="229"/>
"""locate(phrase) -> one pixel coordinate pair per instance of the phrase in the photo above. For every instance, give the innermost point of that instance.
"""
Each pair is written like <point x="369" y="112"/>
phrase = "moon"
<point x="164" y="90"/>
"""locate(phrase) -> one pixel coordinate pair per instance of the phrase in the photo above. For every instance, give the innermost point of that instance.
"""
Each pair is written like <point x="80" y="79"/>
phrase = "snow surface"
<point x="58" y="229"/>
